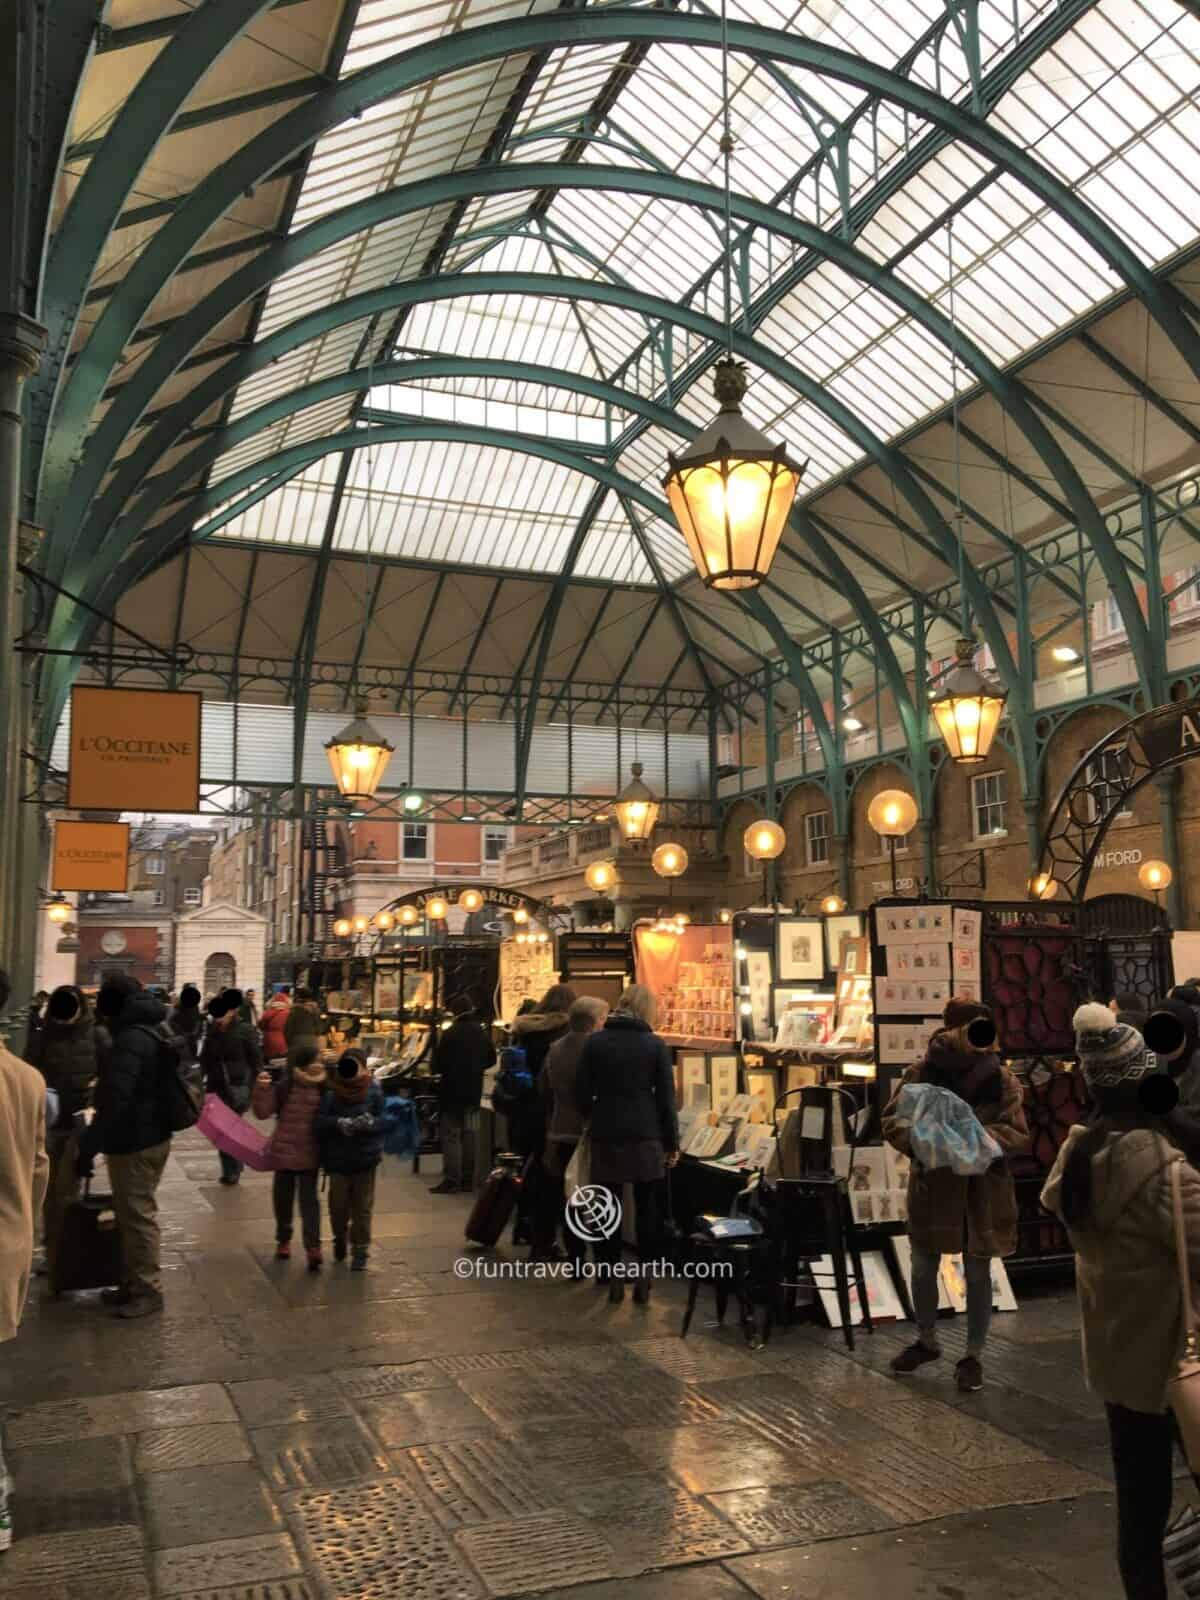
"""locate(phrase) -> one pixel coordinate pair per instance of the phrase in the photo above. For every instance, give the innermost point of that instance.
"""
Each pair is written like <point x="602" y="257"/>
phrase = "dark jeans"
<point x="1143" y="1445"/>
<point x="283" y="1193"/>
<point x="647" y="1200"/>
<point x="549" y="1208"/>
<point x="229" y="1167"/>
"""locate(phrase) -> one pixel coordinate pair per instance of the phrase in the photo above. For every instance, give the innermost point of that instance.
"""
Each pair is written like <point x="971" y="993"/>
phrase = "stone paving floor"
<point x="281" y="1436"/>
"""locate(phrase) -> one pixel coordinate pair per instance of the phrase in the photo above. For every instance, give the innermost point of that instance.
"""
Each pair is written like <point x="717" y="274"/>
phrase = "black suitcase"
<point x="89" y="1246"/>
<point x="494" y="1204"/>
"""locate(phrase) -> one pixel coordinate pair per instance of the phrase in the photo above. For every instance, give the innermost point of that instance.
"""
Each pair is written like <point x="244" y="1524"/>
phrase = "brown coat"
<point x="948" y="1213"/>
<point x="24" y="1170"/>
<point x="1125" y="1266"/>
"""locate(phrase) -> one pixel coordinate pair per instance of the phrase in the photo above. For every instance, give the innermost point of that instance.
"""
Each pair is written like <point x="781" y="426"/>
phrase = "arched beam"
<point x="291" y="252"/>
<point x="605" y="477"/>
<point x="169" y="248"/>
<point x="202" y="37"/>
<point x="890" y="460"/>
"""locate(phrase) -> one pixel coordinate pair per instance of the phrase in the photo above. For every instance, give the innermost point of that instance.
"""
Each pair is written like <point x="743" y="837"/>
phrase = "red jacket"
<point x="274" y="1017"/>
<point x="293" y="1145"/>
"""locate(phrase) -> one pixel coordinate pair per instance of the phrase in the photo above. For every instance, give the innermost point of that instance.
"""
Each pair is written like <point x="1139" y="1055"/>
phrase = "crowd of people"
<point x="572" y="1064"/>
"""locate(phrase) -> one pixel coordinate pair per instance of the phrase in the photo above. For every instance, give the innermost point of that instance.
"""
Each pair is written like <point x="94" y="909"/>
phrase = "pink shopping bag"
<point x="230" y="1133"/>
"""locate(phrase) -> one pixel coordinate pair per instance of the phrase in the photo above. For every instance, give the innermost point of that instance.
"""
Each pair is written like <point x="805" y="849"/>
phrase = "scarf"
<point x="312" y="1077"/>
<point x="352" y="1090"/>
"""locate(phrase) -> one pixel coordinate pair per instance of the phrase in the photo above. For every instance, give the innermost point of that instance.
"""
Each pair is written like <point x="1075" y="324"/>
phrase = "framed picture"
<point x="800" y="950"/>
<point x="882" y="1298"/>
<point x="856" y="957"/>
<point x="848" y="926"/>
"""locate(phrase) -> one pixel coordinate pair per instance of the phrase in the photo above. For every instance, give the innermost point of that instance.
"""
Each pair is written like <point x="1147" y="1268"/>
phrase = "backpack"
<point x="183" y="1097"/>
<point x="514" y="1081"/>
<point x="402" y="1135"/>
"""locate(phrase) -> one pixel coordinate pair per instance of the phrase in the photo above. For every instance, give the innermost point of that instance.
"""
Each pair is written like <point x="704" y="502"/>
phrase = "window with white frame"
<point x="1107" y="621"/>
<point x="495" y="843"/>
<point x="155" y="866"/>
<point x="1106" y="776"/>
<point x="416" y="841"/>
<point x="816" y="838"/>
<point x="285" y="830"/>
<point x="191" y="897"/>
<point x="286" y="885"/>
<point x="1185" y="592"/>
<point x="988" y="799"/>
<point x="159" y="897"/>
<point x="901" y="845"/>
<point x="285" y="926"/>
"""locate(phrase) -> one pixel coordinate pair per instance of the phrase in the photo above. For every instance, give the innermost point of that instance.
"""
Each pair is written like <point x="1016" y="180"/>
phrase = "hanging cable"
<point x="727" y="166"/>
<point x="958" y="505"/>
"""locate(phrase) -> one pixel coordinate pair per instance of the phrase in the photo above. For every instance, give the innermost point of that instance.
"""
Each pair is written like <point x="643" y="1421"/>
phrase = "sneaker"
<point x="315" y="1260"/>
<point x="115" y="1297"/>
<point x="359" y="1264"/>
<point x="141" y="1305"/>
<point x="339" y="1249"/>
<point x="968" y="1375"/>
<point x="915" y="1356"/>
<point x="447" y="1186"/>
<point x="5" y="1530"/>
<point x="283" y="1251"/>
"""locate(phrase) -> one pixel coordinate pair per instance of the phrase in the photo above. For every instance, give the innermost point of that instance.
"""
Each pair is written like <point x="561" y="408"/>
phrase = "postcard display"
<point x="527" y="970"/>
<point x="691" y="976"/>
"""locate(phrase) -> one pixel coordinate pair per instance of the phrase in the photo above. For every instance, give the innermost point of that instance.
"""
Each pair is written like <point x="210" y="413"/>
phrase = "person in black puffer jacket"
<point x="463" y="1054"/>
<point x="132" y="1128"/>
<point x="186" y="1019"/>
<point x="231" y="1065"/>
<point x="626" y="1086"/>
<point x="349" y="1128"/>
<point x="66" y="1053"/>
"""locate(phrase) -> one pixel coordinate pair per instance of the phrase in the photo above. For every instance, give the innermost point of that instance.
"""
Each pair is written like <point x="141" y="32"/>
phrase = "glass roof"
<point x="1107" y="100"/>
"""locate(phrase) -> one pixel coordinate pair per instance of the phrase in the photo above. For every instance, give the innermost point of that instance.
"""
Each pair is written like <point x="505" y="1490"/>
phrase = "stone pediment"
<point x="222" y="914"/>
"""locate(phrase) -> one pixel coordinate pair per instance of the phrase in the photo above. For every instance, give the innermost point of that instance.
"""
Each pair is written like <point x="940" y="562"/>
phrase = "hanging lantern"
<point x="436" y="909"/>
<point x="59" y="910"/>
<point x="471" y="900"/>
<point x="967" y="708"/>
<point x="669" y="860"/>
<point x="385" y="921"/>
<point x="361" y="924"/>
<point x="343" y="928"/>
<point x="1043" y="886"/>
<point x="1155" y="876"/>
<point x="731" y="491"/>
<point x="833" y="905"/>
<point x="724" y="915"/>
<point x="600" y="876"/>
<point x="892" y="813"/>
<point x="637" y="808"/>
<point x="764" y="840"/>
<point x="413" y="801"/>
<point x="520" y="915"/>
<point x="359" y="756"/>
<point x="408" y="915"/>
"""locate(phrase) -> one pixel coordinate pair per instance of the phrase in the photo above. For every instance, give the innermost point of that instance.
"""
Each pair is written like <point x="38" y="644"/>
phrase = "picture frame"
<point x="885" y="1303"/>
<point x="849" y="925"/>
<point x="856" y="957"/>
<point x="799" y="950"/>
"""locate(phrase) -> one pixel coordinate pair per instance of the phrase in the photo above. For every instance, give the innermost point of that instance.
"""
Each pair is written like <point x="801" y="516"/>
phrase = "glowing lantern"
<point x="471" y="900"/>
<point x="636" y="807"/>
<point x="764" y="840"/>
<point x="436" y="909"/>
<point x="359" y="755"/>
<point x="600" y="876"/>
<point x="669" y="860"/>
<point x="967" y="709"/>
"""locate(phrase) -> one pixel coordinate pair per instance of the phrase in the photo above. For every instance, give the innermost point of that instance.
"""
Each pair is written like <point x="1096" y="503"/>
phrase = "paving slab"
<point x="305" y="1455"/>
<point x="60" y="1421"/>
<point x="183" y="1508"/>
<point x="424" y="1417"/>
<point x="200" y="1445"/>
<point x="201" y="1568"/>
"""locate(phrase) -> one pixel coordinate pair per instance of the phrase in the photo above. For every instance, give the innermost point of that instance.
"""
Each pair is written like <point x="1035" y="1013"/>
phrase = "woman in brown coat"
<point x="947" y="1212"/>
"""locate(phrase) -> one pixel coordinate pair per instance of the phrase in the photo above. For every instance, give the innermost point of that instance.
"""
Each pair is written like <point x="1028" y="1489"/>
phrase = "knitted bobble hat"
<point x="1110" y="1052"/>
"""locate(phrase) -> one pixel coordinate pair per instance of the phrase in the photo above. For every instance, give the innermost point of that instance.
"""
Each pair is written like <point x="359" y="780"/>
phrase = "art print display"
<point x="723" y="1071"/>
<point x="919" y="960"/>
<point x="952" y="1275"/>
<point x="805" y="1022"/>
<point x="915" y="996"/>
<point x="800" y="950"/>
<point x="902" y="1043"/>
<point x="856" y="957"/>
<point x="837" y="930"/>
<point x="758" y="975"/>
<point x="968" y="926"/>
<point x="913" y="924"/>
<point x="884" y="1303"/>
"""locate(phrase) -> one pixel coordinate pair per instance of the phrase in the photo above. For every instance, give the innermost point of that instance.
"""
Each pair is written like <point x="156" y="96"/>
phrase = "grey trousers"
<point x="459" y="1126"/>
<point x="978" y="1273"/>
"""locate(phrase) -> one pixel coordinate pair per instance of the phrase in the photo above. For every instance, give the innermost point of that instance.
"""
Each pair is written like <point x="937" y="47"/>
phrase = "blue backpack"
<point x="401" y="1133"/>
<point x="514" y="1081"/>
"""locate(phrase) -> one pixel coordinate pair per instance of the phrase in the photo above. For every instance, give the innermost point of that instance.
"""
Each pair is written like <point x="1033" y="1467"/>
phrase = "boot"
<point x="339" y="1249"/>
<point x="641" y="1292"/>
<point x="116" y="1297"/>
<point x="616" y="1292"/>
<point x="315" y="1259"/>
<point x="359" y="1262"/>
<point x="283" y="1250"/>
<point x="140" y="1305"/>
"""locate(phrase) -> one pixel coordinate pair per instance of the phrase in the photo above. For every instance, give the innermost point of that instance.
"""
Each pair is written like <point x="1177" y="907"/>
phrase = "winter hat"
<point x="960" y="1010"/>
<point x="1110" y="1052"/>
<point x="189" y="995"/>
<point x="65" y="1004"/>
<point x="114" y="992"/>
<point x="234" y="999"/>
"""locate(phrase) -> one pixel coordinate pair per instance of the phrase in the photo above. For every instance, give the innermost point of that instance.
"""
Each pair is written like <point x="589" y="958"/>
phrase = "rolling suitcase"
<point x="494" y="1205"/>
<point x="89" y="1246"/>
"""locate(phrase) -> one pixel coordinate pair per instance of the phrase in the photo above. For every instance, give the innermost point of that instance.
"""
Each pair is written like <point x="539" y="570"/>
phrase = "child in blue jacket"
<point x="350" y="1126"/>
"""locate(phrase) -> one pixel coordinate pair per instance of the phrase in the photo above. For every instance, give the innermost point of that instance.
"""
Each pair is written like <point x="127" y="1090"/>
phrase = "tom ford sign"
<point x="134" y="749"/>
<point x="1170" y="732"/>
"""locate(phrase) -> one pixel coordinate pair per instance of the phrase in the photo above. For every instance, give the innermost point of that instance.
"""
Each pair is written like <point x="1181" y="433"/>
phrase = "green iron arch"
<point x="298" y="129"/>
<point x="290" y="252"/>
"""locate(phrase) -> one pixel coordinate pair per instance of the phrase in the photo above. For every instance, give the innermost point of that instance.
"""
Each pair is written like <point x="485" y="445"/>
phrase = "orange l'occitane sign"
<point x="91" y="855"/>
<point x="134" y="750"/>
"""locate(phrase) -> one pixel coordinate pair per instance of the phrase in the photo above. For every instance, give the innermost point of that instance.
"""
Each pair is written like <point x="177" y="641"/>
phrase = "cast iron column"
<point x="1167" y="784"/>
